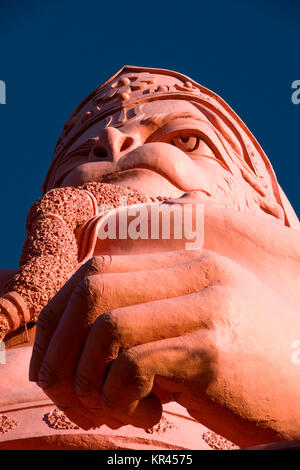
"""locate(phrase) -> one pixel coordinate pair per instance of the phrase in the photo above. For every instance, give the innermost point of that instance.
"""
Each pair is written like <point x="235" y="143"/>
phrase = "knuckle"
<point x="227" y="306"/>
<point x="220" y="268"/>
<point x="82" y="289"/>
<point x="38" y="350"/>
<point x="86" y="298"/>
<point x="205" y="266"/>
<point x="228" y="296"/>
<point x="213" y="259"/>
<point x="45" y="325"/>
<point x="56" y="385"/>
<point x="131" y="376"/>
<point x="130" y="367"/>
<point x="97" y="264"/>
<point x="82" y="386"/>
<point x="88" y="289"/>
<point x="108" y="325"/>
<point x="126" y="368"/>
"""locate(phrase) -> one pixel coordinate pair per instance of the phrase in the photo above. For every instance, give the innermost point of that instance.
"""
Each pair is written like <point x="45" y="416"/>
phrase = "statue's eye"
<point x="187" y="143"/>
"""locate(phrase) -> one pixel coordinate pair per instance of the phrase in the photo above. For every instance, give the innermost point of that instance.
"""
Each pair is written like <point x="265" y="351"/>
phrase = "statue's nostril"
<point x="100" y="152"/>
<point x="127" y="142"/>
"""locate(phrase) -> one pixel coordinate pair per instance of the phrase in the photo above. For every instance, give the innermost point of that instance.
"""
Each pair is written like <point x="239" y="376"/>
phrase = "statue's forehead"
<point x="133" y="118"/>
<point x="130" y="86"/>
<point x="169" y="106"/>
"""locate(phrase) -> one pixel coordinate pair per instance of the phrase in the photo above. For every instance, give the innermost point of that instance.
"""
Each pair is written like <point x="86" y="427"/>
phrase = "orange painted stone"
<point x="147" y="338"/>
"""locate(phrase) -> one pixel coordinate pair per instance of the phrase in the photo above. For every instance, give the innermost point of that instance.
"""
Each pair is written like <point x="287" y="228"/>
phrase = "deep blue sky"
<point x="53" y="53"/>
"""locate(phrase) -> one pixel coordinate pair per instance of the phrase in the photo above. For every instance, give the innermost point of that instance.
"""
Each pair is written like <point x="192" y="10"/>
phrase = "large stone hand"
<point x="194" y="325"/>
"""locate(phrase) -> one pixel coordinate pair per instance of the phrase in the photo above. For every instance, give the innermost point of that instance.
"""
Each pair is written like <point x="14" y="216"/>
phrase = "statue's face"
<point x="169" y="150"/>
<point x="161" y="153"/>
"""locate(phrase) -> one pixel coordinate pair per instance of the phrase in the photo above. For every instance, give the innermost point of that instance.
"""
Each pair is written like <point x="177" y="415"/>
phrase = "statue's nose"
<point x="112" y="145"/>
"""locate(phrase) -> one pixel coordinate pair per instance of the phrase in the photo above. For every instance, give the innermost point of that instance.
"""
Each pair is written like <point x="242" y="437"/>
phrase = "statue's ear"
<point x="290" y="214"/>
<point x="264" y="170"/>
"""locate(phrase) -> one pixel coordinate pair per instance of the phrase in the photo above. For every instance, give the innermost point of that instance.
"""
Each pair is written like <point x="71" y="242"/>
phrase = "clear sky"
<point x="55" y="52"/>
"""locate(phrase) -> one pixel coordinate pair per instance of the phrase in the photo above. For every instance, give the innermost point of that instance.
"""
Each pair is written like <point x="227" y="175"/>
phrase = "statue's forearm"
<point x="49" y="255"/>
<point x="50" y="251"/>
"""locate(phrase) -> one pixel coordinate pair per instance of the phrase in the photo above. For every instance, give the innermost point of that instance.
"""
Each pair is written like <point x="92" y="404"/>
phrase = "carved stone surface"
<point x="143" y="343"/>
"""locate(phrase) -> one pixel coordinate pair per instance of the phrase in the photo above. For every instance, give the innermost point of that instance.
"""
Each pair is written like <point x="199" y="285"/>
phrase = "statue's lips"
<point x="166" y="161"/>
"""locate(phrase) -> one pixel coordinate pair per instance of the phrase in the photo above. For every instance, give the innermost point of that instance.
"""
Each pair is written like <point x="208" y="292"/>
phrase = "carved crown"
<point x="126" y="89"/>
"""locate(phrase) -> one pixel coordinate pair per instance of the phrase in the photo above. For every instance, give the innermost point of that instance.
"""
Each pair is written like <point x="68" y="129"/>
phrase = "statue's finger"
<point x="149" y="261"/>
<point x="176" y="364"/>
<point x="124" y="328"/>
<point x="99" y="294"/>
<point x="51" y="314"/>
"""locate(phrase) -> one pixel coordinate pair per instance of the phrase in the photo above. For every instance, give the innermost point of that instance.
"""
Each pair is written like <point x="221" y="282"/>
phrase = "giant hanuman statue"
<point x="138" y="340"/>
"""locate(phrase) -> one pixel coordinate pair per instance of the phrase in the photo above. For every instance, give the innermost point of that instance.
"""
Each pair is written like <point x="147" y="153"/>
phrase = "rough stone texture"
<point x="213" y="331"/>
<point x="50" y="253"/>
<point x="4" y="326"/>
<point x="49" y="237"/>
<point x="7" y="424"/>
<point x="217" y="442"/>
<point x="71" y="204"/>
<point x="163" y="426"/>
<point x="39" y="280"/>
<point x="106" y="193"/>
<point x="56" y="419"/>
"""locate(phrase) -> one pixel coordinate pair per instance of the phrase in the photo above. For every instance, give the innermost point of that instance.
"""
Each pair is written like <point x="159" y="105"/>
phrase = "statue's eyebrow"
<point x="159" y="120"/>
